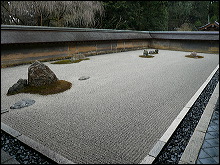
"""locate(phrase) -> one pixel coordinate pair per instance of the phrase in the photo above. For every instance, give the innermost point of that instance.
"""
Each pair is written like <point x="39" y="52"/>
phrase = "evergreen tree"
<point x="135" y="15"/>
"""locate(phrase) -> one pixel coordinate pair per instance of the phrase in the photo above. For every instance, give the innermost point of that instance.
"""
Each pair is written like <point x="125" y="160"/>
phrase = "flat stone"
<point x="84" y="78"/>
<point x="4" y="110"/>
<point x="22" y="104"/>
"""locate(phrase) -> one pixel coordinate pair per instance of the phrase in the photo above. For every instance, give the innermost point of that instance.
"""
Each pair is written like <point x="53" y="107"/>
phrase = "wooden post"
<point x="41" y="19"/>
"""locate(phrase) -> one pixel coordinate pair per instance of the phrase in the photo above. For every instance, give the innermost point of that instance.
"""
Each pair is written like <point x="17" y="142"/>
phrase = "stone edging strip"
<point x="191" y="152"/>
<point x="166" y="136"/>
<point x="35" y="145"/>
<point x="4" y="110"/>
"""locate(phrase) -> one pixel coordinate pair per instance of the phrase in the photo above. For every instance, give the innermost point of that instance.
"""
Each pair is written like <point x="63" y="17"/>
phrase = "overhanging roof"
<point x="11" y="34"/>
<point x="30" y="34"/>
<point x="185" y="35"/>
<point x="215" y="24"/>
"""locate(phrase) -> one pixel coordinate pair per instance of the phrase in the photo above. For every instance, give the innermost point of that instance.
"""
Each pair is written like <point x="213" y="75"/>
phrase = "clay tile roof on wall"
<point x="13" y="34"/>
<point x="36" y="34"/>
<point x="212" y="25"/>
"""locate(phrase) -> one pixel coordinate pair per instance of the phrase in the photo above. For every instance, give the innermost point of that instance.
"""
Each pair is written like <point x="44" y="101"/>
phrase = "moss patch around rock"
<point x="57" y="87"/>
<point x="148" y="56"/>
<point x="68" y="61"/>
<point x="189" y="56"/>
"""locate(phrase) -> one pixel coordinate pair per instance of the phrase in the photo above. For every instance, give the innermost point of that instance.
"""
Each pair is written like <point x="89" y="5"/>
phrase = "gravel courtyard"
<point x="115" y="116"/>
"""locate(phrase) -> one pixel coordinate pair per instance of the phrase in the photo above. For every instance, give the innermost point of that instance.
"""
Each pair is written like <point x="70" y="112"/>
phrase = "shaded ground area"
<point x="118" y="114"/>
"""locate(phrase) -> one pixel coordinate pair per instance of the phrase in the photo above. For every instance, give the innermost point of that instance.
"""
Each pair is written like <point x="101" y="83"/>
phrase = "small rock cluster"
<point x="146" y="53"/>
<point x="77" y="57"/>
<point x="38" y="75"/>
<point x="193" y="54"/>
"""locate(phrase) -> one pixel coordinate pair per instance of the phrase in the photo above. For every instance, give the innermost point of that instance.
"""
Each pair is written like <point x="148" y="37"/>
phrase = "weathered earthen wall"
<point x="18" y="53"/>
<point x="21" y="44"/>
<point x="186" y="45"/>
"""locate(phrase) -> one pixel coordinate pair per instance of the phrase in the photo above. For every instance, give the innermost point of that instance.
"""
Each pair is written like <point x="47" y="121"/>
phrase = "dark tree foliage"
<point x="214" y="11"/>
<point x="155" y="16"/>
<point x="116" y="15"/>
<point x="194" y="13"/>
<point x="121" y="15"/>
<point x="159" y="15"/>
<point x="135" y="15"/>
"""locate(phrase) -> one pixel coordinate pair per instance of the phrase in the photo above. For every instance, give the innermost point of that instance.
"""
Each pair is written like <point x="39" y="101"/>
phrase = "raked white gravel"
<point x="115" y="116"/>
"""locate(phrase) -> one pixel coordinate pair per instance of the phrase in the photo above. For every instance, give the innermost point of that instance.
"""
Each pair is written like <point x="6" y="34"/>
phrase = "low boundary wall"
<point x="204" y="42"/>
<point x="20" y="44"/>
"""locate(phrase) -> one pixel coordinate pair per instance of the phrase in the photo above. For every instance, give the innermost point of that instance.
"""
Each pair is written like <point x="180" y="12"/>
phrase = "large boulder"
<point x="40" y="74"/>
<point x="21" y="84"/>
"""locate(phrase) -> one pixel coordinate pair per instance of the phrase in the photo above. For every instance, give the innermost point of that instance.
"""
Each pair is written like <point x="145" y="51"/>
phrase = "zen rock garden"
<point x="41" y="80"/>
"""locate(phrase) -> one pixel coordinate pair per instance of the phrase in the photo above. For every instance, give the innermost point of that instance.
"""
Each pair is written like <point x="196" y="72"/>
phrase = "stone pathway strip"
<point x="7" y="159"/>
<point x="209" y="152"/>
<point x="203" y="147"/>
<point x="4" y="110"/>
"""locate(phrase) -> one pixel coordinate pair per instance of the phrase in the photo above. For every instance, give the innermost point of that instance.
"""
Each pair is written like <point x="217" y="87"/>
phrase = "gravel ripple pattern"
<point x="169" y="155"/>
<point x="118" y="114"/>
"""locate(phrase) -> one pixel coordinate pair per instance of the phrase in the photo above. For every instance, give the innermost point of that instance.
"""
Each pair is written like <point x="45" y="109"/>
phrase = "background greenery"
<point x="124" y="15"/>
<point x="159" y="15"/>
